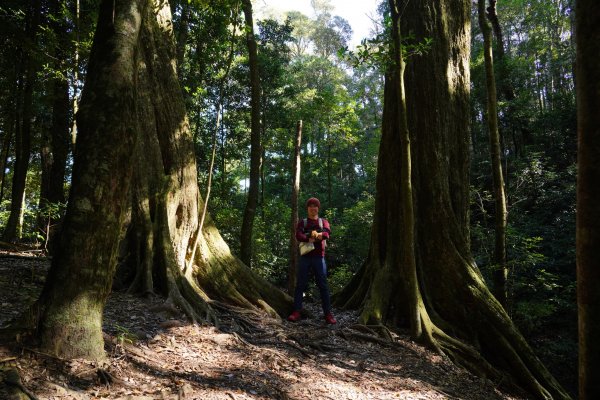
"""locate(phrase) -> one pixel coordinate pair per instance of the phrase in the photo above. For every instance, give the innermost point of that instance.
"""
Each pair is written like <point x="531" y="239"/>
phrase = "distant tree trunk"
<point x="263" y="159"/>
<point x="500" y="271"/>
<point x="507" y="89"/>
<point x="457" y="315"/>
<point x="329" y="168"/>
<point x="291" y="283"/>
<point x="492" y="16"/>
<point x="9" y="129"/>
<point x="587" y="14"/>
<point x="255" y="141"/>
<point x="55" y="145"/>
<point x="10" y="124"/>
<point x="75" y="84"/>
<point x="13" y="227"/>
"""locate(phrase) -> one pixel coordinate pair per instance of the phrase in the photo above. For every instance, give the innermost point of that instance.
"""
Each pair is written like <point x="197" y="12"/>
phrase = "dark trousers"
<point x="319" y="268"/>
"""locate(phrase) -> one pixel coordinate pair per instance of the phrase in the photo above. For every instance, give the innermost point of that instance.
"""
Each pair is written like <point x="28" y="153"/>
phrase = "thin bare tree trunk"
<point x="55" y="146"/>
<point x="6" y="142"/>
<point x="75" y="84"/>
<point x="500" y="270"/>
<point x="291" y="283"/>
<point x="255" y="140"/>
<point x="13" y="227"/>
<point x="219" y="109"/>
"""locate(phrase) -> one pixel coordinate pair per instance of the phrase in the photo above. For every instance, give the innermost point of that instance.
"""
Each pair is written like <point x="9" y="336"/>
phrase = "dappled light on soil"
<point x="154" y="353"/>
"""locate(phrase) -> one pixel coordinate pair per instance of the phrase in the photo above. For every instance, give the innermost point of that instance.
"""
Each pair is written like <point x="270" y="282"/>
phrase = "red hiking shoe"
<point x="295" y="316"/>
<point x="330" y="319"/>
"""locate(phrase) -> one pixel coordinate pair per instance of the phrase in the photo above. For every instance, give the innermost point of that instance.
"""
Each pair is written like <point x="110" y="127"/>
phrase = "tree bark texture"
<point x="291" y="283"/>
<point x="500" y="270"/>
<point x="12" y="231"/>
<point x="80" y="277"/>
<point x="464" y="320"/>
<point x="587" y="14"/>
<point x="167" y="204"/>
<point x="135" y="162"/>
<point x="255" y="140"/>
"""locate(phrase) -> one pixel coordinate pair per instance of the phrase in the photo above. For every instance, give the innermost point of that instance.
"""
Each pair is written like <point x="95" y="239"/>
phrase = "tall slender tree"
<point x="255" y="139"/>
<point x="457" y="315"/>
<point x="500" y="271"/>
<point x="55" y="142"/>
<point x="12" y="231"/>
<point x="291" y="282"/>
<point x="588" y="196"/>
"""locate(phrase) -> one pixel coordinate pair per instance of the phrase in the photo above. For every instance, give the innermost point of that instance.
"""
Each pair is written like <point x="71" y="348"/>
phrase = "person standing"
<point x="313" y="230"/>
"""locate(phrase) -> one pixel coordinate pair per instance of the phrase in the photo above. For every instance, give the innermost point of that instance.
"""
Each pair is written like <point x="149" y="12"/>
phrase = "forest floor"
<point x="154" y="353"/>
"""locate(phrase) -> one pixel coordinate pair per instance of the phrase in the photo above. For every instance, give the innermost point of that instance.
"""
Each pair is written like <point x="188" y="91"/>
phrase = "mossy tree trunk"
<point x="587" y="15"/>
<point x="80" y="278"/>
<point x="135" y="171"/>
<point x="457" y="314"/>
<point x="167" y="201"/>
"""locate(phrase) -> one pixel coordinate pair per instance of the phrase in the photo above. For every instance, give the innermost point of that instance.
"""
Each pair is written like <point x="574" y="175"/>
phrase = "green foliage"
<point x="338" y="96"/>
<point x="4" y="212"/>
<point x="352" y="233"/>
<point x="271" y="237"/>
<point x="376" y="52"/>
<point x="124" y="335"/>
<point x="340" y="276"/>
<point x="538" y="124"/>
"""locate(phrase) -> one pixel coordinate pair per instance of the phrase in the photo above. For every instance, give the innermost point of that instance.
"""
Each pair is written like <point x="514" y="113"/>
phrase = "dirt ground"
<point x="154" y="353"/>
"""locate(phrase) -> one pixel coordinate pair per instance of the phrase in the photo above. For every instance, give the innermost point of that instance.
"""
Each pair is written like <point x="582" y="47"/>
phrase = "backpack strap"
<point x="321" y="223"/>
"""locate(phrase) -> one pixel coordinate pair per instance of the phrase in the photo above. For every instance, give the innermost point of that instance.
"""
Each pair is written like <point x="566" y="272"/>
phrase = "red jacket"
<point x="303" y="234"/>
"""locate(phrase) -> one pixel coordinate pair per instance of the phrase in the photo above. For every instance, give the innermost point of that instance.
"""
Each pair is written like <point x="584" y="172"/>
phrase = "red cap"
<point x="313" y="201"/>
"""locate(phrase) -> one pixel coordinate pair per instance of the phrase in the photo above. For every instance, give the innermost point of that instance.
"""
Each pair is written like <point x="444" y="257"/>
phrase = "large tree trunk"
<point x="12" y="231"/>
<point x="133" y="129"/>
<point x="588" y="197"/>
<point x="255" y="142"/>
<point x="458" y="314"/>
<point x="500" y="270"/>
<point x="80" y="277"/>
<point x="163" y="234"/>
